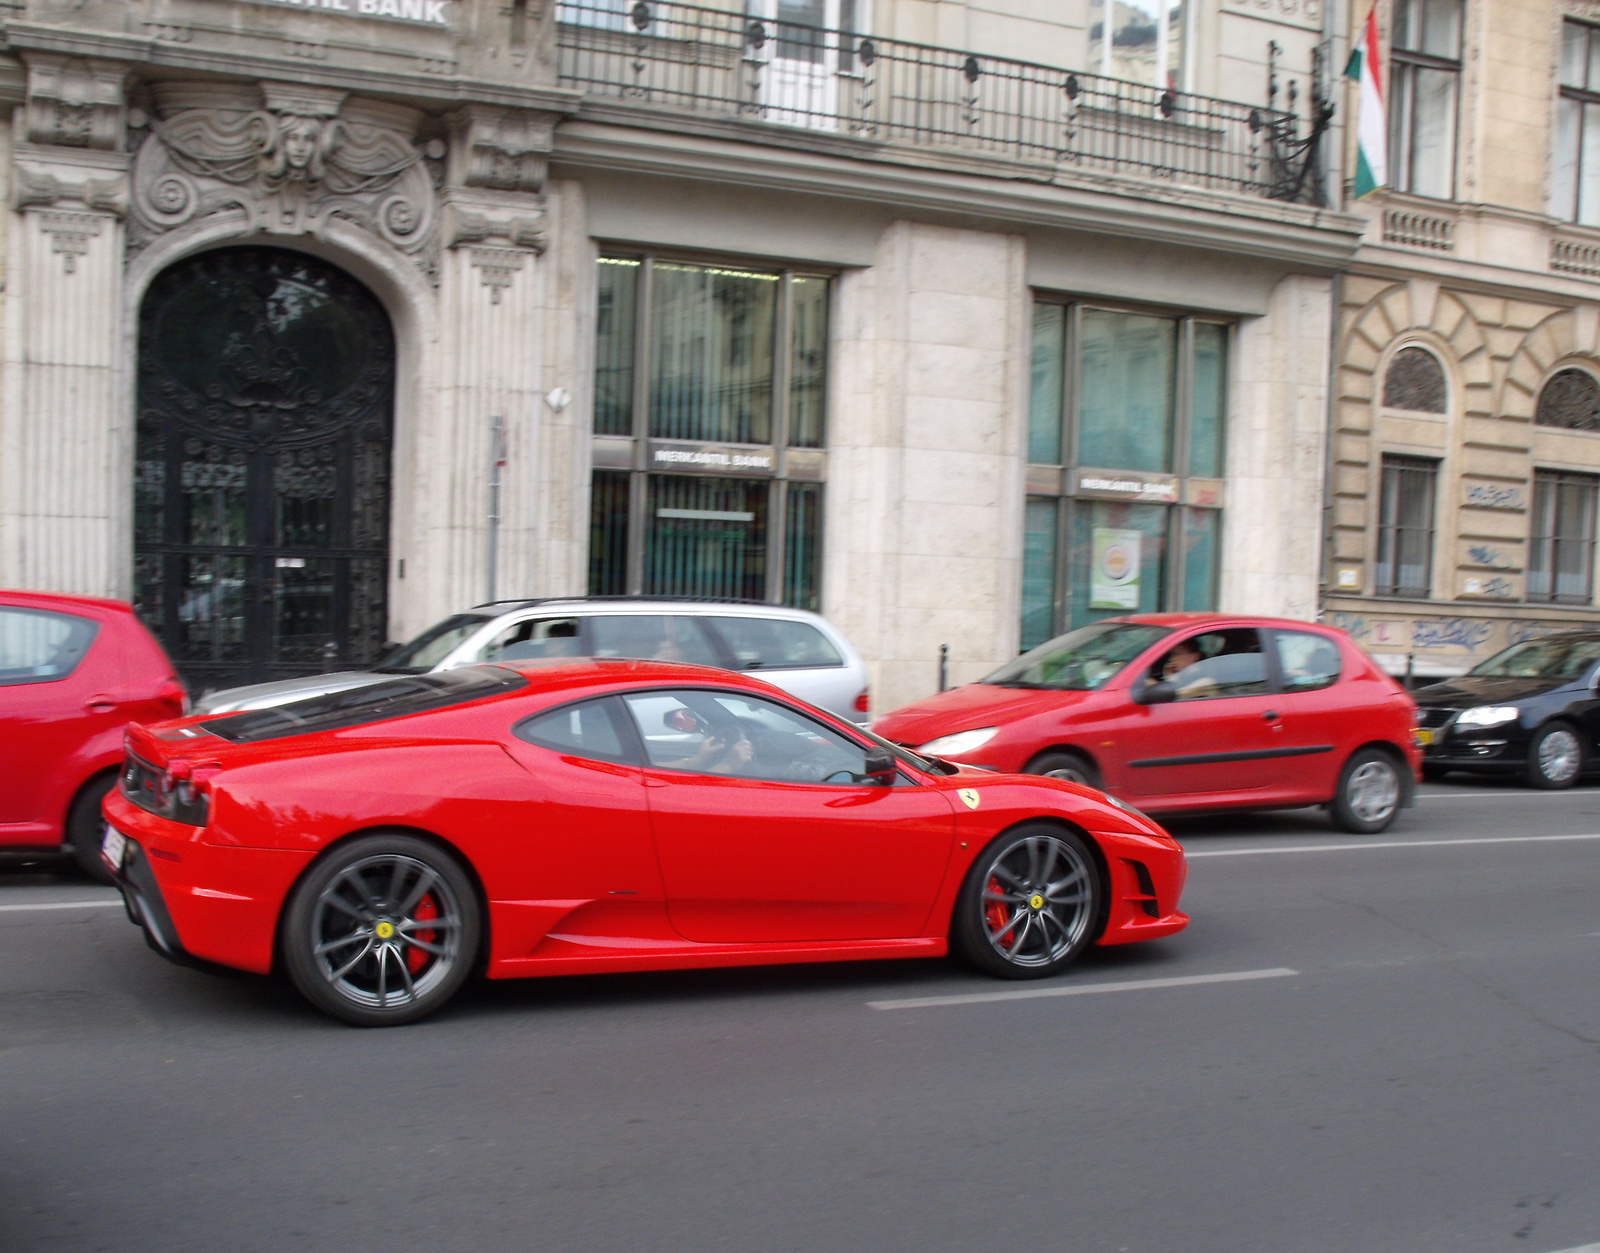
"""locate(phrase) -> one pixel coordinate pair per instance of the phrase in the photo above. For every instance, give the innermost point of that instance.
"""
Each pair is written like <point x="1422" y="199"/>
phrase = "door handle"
<point x="1271" y="715"/>
<point x="99" y="704"/>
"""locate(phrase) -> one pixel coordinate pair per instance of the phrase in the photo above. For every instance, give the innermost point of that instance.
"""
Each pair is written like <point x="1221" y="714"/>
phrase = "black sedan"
<point x="1530" y="710"/>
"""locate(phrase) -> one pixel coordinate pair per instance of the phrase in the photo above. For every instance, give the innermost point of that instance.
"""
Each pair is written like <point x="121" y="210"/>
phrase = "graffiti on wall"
<point x="1493" y="496"/>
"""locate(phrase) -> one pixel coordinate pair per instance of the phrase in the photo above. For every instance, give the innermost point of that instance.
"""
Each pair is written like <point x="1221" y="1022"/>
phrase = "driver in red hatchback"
<point x="381" y="843"/>
<point x="1189" y="712"/>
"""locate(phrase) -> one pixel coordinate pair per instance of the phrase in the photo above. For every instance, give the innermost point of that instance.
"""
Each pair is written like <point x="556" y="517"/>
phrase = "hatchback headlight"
<point x="1488" y="716"/>
<point x="960" y="742"/>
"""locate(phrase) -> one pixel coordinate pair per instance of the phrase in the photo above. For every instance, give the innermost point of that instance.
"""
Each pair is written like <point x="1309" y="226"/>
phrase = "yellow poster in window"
<point x="1114" y="576"/>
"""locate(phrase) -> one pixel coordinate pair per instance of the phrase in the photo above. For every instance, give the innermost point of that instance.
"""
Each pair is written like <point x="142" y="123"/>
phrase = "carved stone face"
<point x="300" y="142"/>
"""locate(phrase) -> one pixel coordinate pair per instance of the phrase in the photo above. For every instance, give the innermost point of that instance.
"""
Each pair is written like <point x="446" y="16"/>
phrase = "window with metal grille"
<point x="1405" y="526"/>
<point x="1425" y="85"/>
<point x="1561" y="542"/>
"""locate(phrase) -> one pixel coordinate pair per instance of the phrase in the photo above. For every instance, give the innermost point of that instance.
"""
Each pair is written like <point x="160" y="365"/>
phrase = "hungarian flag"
<point x="1372" y="137"/>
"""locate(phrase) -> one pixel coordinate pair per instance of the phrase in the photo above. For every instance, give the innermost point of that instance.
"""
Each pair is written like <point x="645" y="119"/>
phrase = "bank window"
<point x="709" y="424"/>
<point x="1405" y="526"/>
<point x="1562" y="538"/>
<point x="1425" y="69"/>
<point x="1576" y="185"/>
<point x="1127" y="425"/>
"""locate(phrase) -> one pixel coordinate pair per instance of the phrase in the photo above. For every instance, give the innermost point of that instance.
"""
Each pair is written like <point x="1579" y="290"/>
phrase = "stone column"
<point x="491" y="296"/>
<point x="1277" y="440"/>
<point x="927" y="436"/>
<point x="64" y="447"/>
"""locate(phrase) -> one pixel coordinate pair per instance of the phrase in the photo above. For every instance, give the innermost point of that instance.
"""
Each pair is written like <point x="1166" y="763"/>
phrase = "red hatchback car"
<point x="74" y="672"/>
<point x="1189" y="712"/>
<point x="543" y="818"/>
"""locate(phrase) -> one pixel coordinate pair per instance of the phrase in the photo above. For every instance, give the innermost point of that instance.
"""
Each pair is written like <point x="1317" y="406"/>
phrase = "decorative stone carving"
<point x="469" y="227"/>
<point x="39" y="187"/>
<point x="292" y="157"/>
<point x="504" y="149"/>
<point x="75" y="103"/>
<point x="70" y="234"/>
<point x="499" y="266"/>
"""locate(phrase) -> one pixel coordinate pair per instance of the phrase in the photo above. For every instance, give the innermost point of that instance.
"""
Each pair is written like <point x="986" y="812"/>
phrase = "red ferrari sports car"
<point x="563" y="817"/>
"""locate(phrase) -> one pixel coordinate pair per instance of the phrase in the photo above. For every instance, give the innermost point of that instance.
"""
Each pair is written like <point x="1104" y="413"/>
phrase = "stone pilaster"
<point x="64" y="473"/>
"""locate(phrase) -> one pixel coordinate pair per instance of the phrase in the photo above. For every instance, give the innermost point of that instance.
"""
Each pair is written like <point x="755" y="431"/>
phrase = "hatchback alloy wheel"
<point x="1029" y="904"/>
<point x="384" y="932"/>
<point x="1371" y="792"/>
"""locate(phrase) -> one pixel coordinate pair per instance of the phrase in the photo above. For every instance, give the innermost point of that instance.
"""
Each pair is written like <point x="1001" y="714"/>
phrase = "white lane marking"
<point x="13" y="909"/>
<point x="1348" y="848"/>
<point x="1587" y="1248"/>
<point x="1081" y="989"/>
<point x="1524" y="795"/>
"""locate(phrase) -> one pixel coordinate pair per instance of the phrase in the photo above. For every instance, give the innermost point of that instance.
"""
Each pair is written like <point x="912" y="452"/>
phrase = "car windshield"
<point x="1553" y="658"/>
<point x="432" y="646"/>
<point x="1081" y="660"/>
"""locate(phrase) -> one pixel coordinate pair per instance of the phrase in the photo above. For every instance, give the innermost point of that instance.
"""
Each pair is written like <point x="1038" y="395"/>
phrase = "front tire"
<point x="1555" y="757"/>
<point x="382" y="931"/>
<point x="86" y="827"/>
<point x="1029" y="904"/>
<point x="1370" y="793"/>
<point x="1072" y="767"/>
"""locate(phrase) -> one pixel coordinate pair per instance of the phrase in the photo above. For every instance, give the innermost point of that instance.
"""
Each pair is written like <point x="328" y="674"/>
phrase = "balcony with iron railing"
<point x="672" y="62"/>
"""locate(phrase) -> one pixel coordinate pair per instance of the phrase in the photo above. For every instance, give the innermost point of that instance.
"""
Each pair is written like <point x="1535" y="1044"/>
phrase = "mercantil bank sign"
<point x="421" y="12"/>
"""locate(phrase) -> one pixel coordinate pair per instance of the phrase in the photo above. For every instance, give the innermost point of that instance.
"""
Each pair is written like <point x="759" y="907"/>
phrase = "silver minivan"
<point x="792" y="649"/>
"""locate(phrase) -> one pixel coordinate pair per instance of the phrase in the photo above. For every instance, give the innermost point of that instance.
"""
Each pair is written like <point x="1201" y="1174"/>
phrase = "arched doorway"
<point x="261" y="512"/>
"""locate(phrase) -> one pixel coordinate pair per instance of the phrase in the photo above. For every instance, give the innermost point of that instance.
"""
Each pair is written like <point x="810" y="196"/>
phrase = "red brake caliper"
<point x="416" y="959"/>
<point x="995" y="913"/>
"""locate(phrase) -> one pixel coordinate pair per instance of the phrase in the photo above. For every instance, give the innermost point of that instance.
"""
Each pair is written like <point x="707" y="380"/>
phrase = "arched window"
<point x="1415" y="380"/>
<point x="1570" y="399"/>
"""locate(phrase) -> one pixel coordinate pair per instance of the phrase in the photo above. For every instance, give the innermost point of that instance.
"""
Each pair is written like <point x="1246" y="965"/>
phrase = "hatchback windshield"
<point x="1081" y="660"/>
<point x="1553" y="658"/>
<point x="432" y="646"/>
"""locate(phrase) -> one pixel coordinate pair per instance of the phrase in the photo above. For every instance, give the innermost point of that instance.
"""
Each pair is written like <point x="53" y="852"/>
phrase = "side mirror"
<point x="1155" y="694"/>
<point x="880" y="767"/>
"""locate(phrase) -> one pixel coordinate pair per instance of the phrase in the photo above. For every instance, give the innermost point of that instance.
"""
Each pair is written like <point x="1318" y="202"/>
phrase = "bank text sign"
<point x="419" y="12"/>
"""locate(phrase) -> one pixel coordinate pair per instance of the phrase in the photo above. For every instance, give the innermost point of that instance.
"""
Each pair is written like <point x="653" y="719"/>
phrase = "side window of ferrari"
<point x="742" y="737"/>
<point x="582" y="730"/>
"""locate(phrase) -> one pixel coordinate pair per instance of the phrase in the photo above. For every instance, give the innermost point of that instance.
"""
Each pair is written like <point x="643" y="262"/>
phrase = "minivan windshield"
<point x="432" y="646"/>
<point x="1552" y="658"/>
<point x="1081" y="660"/>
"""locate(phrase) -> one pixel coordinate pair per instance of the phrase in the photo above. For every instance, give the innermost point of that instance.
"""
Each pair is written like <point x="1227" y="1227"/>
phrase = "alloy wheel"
<point x="1559" y="755"/>
<point x="1038" y="901"/>
<point x="1373" y="791"/>
<point x="386" y="931"/>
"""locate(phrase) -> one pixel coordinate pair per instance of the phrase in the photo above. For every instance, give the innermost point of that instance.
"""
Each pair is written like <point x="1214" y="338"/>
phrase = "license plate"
<point x="1424" y="738"/>
<point x="113" y="847"/>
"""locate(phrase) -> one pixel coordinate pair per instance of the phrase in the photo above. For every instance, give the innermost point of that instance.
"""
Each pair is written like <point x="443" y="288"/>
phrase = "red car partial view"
<point x="1188" y="713"/>
<point x="74" y="671"/>
<point x="541" y="818"/>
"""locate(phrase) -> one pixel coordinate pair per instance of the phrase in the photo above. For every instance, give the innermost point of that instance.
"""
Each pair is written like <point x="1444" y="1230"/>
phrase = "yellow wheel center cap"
<point x="1036" y="901"/>
<point x="384" y="930"/>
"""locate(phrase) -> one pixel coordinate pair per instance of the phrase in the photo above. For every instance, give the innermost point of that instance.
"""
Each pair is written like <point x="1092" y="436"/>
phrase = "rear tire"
<point x="1371" y="791"/>
<point x="382" y="931"/>
<point x="86" y="827"/>
<point x="1555" y="757"/>
<point x="1029" y="904"/>
<point x="1070" y="766"/>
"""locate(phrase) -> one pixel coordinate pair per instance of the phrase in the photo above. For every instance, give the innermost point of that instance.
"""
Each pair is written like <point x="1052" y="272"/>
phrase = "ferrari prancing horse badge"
<point x="969" y="797"/>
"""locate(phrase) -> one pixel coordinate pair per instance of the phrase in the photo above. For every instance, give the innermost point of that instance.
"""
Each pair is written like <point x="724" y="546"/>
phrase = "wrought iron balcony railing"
<point x="683" y="58"/>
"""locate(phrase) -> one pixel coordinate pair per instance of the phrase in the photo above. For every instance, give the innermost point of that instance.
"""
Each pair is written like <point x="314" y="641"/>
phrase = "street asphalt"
<point x="1405" y="1059"/>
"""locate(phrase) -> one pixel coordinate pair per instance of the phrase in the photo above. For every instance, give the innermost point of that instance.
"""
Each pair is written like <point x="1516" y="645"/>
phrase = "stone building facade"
<point x="1466" y="422"/>
<point x="312" y="307"/>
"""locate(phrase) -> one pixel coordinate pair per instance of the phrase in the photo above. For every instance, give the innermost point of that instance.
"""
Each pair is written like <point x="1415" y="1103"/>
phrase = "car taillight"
<point x="174" y="696"/>
<point x="864" y="701"/>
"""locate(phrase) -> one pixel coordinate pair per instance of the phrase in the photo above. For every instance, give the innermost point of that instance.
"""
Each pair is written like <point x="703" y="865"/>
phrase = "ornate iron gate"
<point x="266" y="388"/>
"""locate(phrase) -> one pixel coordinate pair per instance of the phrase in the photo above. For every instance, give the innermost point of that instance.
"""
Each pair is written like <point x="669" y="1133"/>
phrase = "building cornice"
<point x="425" y="90"/>
<point x="1007" y="195"/>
